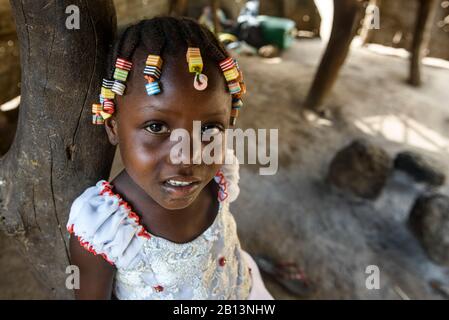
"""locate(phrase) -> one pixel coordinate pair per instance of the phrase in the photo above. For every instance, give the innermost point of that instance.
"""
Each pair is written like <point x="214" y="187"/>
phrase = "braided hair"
<point x="166" y="35"/>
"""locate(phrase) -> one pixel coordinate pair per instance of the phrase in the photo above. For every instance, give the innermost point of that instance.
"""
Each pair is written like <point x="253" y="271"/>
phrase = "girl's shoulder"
<point x="105" y="225"/>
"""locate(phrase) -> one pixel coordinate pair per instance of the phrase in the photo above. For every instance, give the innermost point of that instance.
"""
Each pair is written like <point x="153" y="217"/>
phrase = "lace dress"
<point x="212" y="266"/>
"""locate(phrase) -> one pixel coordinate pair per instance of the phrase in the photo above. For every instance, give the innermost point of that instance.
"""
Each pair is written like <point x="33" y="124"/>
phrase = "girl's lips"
<point x="181" y="187"/>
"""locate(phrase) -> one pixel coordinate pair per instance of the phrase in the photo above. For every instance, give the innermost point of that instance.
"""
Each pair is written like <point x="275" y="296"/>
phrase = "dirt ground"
<point x="295" y="215"/>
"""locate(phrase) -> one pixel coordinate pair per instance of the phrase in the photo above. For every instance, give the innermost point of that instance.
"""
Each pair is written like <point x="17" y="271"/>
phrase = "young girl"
<point x="162" y="229"/>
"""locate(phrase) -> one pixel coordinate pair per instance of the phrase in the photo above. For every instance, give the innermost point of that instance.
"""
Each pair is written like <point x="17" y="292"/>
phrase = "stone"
<point x="360" y="168"/>
<point x="419" y="168"/>
<point x="429" y="221"/>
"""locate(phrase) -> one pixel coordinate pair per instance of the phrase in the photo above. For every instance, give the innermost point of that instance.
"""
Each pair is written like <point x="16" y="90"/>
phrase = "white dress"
<point x="212" y="266"/>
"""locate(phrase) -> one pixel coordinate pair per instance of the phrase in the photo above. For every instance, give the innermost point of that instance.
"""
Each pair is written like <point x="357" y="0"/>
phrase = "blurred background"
<point x="363" y="168"/>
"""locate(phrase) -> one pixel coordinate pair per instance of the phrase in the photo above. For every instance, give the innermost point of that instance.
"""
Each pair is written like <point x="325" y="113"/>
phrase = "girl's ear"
<point x="111" y="129"/>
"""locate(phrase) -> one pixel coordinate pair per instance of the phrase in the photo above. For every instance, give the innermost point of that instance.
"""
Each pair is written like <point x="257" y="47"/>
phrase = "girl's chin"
<point x="177" y="204"/>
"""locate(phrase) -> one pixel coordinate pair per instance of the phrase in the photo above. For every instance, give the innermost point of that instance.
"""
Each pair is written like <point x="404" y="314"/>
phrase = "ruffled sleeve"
<point x="105" y="225"/>
<point x="228" y="178"/>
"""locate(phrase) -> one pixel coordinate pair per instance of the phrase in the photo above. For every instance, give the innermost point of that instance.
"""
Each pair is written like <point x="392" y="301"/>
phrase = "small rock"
<point x="360" y="168"/>
<point x="420" y="168"/>
<point x="429" y="221"/>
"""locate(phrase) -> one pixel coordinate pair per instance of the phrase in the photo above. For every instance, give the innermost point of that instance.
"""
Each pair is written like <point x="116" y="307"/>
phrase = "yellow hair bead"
<point x="155" y="61"/>
<point x="97" y="108"/>
<point x="196" y="65"/>
<point x="192" y="52"/>
<point x="107" y="93"/>
<point x="231" y="74"/>
<point x="105" y="115"/>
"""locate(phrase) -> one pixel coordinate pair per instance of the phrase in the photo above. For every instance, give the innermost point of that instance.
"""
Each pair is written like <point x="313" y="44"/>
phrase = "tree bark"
<point x="56" y="152"/>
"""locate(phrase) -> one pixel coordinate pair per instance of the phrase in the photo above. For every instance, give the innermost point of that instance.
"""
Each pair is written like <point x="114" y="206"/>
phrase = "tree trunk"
<point x="56" y="152"/>
<point x="347" y="13"/>
<point x="421" y="38"/>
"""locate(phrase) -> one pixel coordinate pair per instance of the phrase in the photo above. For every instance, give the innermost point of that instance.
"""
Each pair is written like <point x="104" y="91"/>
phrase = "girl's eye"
<point x="157" y="128"/>
<point x="211" y="130"/>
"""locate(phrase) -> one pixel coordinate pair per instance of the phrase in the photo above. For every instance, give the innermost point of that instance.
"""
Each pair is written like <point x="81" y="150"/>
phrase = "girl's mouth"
<point x="181" y="187"/>
<point x="177" y="183"/>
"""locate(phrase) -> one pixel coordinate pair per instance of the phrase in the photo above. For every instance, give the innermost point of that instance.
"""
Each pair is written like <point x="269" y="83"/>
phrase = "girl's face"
<point x="142" y="125"/>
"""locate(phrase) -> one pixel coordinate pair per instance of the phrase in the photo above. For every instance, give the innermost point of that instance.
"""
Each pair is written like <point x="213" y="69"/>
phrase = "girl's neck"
<point x="178" y="226"/>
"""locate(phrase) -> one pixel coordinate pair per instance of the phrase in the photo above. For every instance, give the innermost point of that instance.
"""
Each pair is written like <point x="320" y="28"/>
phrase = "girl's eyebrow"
<point x="166" y="110"/>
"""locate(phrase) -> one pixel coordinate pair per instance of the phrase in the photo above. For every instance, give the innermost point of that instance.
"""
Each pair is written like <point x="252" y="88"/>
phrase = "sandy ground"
<point x="295" y="215"/>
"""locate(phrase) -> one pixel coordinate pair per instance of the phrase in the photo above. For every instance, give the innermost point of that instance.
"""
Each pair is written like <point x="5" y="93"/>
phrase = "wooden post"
<point x="56" y="152"/>
<point x="346" y="17"/>
<point x="421" y="38"/>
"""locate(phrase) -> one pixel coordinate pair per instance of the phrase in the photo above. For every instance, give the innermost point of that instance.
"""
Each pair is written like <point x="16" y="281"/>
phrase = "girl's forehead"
<point x="177" y="84"/>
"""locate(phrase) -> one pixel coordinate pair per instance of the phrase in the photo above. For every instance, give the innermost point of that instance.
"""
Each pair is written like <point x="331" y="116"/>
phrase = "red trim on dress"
<point x="86" y="245"/>
<point x="222" y="194"/>
<point x="107" y="189"/>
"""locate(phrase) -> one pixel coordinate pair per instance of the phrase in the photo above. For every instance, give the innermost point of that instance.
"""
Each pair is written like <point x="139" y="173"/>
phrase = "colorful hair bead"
<point x="153" y="88"/>
<point x="237" y="103"/>
<point x="231" y="74"/>
<point x="118" y="88"/>
<point x="97" y="108"/>
<point x="105" y="115"/>
<point x="107" y="83"/>
<point x="153" y="72"/>
<point x="107" y="93"/>
<point x="97" y="119"/>
<point x="195" y="62"/>
<point x="196" y="65"/>
<point x="192" y="52"/>
<point x="234" y="87"/>
<point x="120" y="74"/>
<point x="123" y="64"/>
<point x="108" y="106"/>
<point x="227" y="64"/>
<point x="155" y="61"/>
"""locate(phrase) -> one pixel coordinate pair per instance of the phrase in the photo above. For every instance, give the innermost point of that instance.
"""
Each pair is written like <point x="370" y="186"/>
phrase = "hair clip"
<point x="195" y="62"/>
